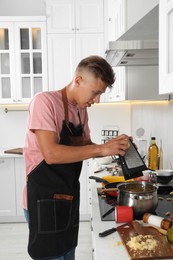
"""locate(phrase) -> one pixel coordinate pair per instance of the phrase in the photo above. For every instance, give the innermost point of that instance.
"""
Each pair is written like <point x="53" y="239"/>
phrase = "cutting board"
<point x="162" y="251"/>
<point x="15" y="151"/>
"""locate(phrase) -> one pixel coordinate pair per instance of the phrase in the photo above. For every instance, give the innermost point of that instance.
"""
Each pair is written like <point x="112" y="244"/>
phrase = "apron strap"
<point x="65" y="102"/>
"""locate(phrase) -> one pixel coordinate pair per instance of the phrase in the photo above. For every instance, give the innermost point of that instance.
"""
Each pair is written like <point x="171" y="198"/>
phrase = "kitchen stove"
<point x="164" y="208"/>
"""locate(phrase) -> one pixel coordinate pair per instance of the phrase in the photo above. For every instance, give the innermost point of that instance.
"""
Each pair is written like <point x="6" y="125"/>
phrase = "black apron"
<point x="53" y="200"/>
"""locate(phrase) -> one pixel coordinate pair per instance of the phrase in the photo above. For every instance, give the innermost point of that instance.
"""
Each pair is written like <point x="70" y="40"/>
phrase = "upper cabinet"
<point x="23" y="64"/>
<point x="166" y="46"/>
<point x="75" y="16"/>
<point x="75" y="31"/>
<point x="123" y="14"/>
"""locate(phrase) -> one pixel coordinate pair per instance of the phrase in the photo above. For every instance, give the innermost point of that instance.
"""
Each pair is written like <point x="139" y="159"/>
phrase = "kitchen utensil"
<point x="107" y="186"/>
<point x="132" y="163"/>
<point x="108" y="212"/>
<point x="142" y="196"/>
<point x="109" y="231"/>
<point x="162" y="251"/>
<point x="164" y="176"/>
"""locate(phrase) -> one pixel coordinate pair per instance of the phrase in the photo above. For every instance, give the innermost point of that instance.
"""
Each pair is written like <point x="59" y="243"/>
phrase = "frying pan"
<point x="110" y="188"/>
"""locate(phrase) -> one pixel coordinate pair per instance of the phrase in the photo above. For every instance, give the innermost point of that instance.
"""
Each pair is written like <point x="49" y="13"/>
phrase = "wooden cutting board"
<point x="15" y="151"/>
<point x="162" y="251"/>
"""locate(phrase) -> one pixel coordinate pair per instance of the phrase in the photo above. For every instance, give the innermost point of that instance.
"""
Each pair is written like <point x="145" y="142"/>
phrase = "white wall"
<point x="13" y="124"/>
<point x="22" y="7"/>
<point x="109" y="114"/>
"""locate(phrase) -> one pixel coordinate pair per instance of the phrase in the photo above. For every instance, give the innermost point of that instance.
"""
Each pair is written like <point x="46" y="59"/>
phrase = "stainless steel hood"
<point x="139" y="45"/>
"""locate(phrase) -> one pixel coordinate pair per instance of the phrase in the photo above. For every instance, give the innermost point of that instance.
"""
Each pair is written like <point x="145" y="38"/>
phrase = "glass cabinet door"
<point x="31" y="53"/>
<point x="6" y="60"/>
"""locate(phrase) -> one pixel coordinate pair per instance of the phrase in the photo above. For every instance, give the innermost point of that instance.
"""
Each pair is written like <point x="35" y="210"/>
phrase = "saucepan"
<point x="142" y="196"/>
<point x="110" y="188"/>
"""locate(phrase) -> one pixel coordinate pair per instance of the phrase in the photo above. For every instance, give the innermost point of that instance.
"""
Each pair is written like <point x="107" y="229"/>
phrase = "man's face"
<point x="88" y="90"/>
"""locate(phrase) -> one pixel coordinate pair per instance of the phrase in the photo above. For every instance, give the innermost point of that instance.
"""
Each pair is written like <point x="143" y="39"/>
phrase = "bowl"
<point x="104" y="160"/>
<point x="164" y="176"/>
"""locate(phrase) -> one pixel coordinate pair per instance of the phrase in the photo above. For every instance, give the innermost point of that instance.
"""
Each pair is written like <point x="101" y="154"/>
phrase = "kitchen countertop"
<point x="109" y="247"/>
<point x="8" y="155"/>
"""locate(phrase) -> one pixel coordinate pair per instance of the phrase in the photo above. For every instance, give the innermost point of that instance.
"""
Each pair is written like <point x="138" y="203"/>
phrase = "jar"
<point x="157" y="221"/>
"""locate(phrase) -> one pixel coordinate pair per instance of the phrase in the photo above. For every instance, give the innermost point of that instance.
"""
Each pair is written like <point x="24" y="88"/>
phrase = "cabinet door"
<point x="7" y="188"/>
<point x="165" y="46"/>
<point x="31" y="69"/>
<point x="118" y="91"/>
<point x="20" y="175"/>
<point x="89" y="44"/>
<point x="84" y="204"/>
<point x="61" y="59"/>
<point x="60" y="16"/>
<point x="74" y="16"/>
<point x="7" y="63"/>
<point x="89" y="16"/>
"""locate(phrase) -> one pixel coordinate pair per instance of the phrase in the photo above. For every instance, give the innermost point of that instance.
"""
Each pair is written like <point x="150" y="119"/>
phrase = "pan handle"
<point x="98" y="179"/>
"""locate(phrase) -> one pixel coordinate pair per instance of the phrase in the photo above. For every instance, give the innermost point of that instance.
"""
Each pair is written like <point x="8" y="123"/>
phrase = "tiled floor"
<point x="14" y="236"/>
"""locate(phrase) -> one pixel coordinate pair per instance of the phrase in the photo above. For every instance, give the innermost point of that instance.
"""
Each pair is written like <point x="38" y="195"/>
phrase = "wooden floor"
<point x="14" y="236"/>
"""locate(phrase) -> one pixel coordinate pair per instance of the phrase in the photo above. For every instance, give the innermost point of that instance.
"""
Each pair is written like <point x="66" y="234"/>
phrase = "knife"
<point x="110" y="231"/>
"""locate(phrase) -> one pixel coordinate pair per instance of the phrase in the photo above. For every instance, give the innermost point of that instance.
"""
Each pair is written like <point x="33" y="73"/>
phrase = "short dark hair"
<point x="100" y="68"/>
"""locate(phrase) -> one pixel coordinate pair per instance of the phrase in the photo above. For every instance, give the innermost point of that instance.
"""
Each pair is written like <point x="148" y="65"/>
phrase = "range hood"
<point x="139" y="45"/>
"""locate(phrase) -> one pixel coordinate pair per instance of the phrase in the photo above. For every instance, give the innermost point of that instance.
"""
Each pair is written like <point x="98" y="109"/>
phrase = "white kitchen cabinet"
<point x="165" y="46"/>
<point x="123" y="14"/>
<point x="7" y="188"/>
<point x="23" y="58"/>
<point x="84" y="196"/>
<point x="134" y="83"/>
<point x="12" y="180"/>
<point x="64" y="53"/>
<point x="74" y="16"/>
<point x="118" y="91"/>
<point x="20" y="174"/>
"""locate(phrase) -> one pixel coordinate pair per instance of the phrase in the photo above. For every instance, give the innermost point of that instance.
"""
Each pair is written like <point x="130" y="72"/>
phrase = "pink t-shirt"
<point x="46" y="112"/>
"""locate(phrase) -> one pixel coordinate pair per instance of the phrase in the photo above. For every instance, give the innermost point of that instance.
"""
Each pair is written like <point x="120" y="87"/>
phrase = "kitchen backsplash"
<point x="155" y="118"/>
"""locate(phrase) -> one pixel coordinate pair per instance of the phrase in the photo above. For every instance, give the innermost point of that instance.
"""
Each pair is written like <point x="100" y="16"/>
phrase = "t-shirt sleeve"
<point x="41" y="114"/>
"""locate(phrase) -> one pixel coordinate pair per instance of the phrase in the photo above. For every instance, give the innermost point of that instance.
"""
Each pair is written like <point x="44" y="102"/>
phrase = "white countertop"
<point x="109" y="247"/>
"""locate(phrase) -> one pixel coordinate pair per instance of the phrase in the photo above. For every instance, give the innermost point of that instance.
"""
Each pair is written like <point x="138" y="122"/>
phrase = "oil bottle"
<point x="153" y="153"/>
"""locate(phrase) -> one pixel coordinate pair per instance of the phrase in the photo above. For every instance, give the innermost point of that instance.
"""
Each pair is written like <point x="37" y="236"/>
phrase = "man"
<point x="57" y="141"/>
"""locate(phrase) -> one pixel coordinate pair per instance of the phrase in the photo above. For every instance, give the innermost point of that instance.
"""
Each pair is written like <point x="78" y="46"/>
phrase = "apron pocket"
<point x="53" y="215"/>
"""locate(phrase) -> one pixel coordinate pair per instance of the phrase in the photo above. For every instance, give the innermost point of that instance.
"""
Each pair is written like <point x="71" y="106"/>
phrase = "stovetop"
<point x="165" y="204"/>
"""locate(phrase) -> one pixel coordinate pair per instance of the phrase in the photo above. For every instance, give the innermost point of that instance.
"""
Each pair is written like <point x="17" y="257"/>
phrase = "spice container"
<point x="157" y="221"/>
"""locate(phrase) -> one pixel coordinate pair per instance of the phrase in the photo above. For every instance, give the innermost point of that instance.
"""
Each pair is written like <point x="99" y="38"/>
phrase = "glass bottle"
<point x="161" y="156"/>
<point x="153" y="153"/>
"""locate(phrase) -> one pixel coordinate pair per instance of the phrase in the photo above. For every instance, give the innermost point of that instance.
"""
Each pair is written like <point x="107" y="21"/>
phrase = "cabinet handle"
<point x="77" y="29"/>
<point x="2" y="161"/>
<point x="73" y="29"/>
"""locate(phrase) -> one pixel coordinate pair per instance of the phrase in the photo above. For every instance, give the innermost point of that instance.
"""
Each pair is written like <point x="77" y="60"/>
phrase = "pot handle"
<point x="98" y="179"/>
<point x="141" y="197"/>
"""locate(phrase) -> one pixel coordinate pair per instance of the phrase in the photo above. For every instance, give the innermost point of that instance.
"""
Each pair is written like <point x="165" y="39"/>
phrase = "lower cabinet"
<point x="84" y="195"/>
<point x="12" y="179"/>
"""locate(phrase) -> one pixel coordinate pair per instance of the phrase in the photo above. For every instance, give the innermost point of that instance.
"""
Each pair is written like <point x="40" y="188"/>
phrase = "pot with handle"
<point x="142" y="196"/>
